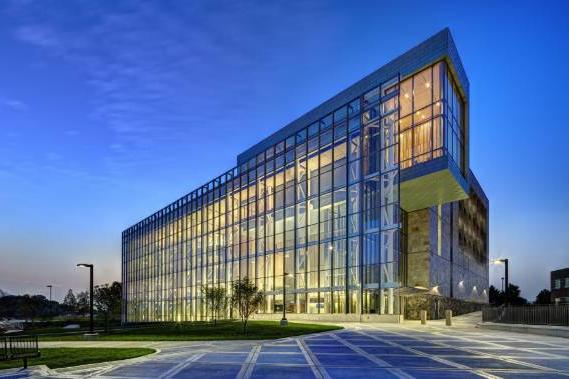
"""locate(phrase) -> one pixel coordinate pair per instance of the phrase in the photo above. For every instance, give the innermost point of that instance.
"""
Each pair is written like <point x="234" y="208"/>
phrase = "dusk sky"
<point x="110" y="110"/>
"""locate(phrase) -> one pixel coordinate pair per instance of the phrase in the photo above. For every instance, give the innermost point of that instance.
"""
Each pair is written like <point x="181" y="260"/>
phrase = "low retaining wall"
<point x="543" y="330"/>
<point x="436" y="307"/>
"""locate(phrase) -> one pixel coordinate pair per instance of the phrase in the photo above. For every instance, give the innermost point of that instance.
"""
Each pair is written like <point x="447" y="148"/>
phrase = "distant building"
<point x="365" y="208"/>
<point x="560" y="286"/>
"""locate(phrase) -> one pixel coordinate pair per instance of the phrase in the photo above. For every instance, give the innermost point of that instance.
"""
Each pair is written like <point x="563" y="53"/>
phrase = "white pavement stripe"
<point x="471" y="351"/>
<point x="371" y="357"/>
<point x="438" y="359"/>
<point x="317" y="369"/>
<point x="359" y="350"/>
<point x="179" y="367"/>
<point x="500" y="345"/>
<point x="247" y="367"/>
<point x="176" y="356"/>
<point x="499" y="357"/>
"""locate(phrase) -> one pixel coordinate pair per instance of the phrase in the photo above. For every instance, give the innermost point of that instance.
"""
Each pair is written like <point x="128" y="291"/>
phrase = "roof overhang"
<point x="437" y="181"/>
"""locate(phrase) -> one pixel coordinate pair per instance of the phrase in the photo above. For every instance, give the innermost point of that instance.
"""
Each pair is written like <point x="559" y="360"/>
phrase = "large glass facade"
<point x="432" y="117"/>
<point x="317" y="213"/>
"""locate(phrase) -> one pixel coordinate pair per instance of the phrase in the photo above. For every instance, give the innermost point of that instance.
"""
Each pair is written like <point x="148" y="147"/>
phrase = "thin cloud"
<point x="14" y="105"/>
<point x="38" y="35"/>
<point x="150" y="66"/>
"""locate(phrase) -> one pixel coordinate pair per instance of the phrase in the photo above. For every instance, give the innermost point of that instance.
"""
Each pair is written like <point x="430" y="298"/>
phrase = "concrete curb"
<point x="543" y="330"/>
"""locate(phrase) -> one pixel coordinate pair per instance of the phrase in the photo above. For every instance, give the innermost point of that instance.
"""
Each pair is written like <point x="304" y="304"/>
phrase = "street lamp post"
<point x="505" y="261"/>
<point x="284" y="321"/>
<point x="90" y="266"/>
<point x="49" y="286"/>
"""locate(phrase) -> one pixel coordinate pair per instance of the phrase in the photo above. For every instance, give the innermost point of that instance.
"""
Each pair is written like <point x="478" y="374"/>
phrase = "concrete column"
<point x="448" y="317"/>
<point x="423" y="317"/>
<point x="382" y="301"/>
<point x="391" y="300"/>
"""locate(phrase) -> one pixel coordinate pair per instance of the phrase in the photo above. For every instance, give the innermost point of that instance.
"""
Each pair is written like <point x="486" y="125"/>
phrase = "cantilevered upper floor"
<point x="413" y="110"/>
<point x="424" y="93"/>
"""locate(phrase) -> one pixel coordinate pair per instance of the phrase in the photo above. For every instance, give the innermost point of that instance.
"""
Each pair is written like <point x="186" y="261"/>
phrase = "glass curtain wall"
<point x="318" y="212"/>
<point x="431" y="117"/>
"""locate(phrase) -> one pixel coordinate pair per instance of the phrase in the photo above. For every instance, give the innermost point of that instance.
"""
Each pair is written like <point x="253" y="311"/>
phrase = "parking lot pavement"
<point x="359" y="351"/>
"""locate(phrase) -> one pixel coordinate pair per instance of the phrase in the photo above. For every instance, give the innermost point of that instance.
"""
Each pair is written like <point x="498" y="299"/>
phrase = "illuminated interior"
<point x="431" y="117"/>
<point x="321" y="205"/>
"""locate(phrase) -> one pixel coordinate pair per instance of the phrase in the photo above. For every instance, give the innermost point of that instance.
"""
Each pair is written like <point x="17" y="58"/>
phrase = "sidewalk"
<point x="543" y="330"/>
<point x="362" y="350"/>
<point x="159" y="345"/>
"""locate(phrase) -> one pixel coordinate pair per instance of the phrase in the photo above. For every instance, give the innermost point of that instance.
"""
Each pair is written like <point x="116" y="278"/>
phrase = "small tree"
<point x="32" y="306"/>
<point x="246" y="298"/>
<point x="216" y="300"/>
<point x="543" y="297"/>
<point x="82" y="306"/>
<point x="107" y="300"/>
<point x="70" y="302"/>
<point x="496" y="297"/>
<point x="514" y="296"/>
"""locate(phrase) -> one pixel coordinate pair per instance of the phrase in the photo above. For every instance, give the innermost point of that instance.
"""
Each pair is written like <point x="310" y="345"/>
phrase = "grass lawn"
<point x="202" y="331"/>
<point x="65" y="357"/>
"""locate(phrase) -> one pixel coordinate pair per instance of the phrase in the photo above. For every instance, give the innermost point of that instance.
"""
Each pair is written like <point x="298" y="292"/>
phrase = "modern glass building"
<point x="363" y="208"/>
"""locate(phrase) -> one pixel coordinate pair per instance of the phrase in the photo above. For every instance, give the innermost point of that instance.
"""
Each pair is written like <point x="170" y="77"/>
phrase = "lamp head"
<point x="84" y="265"/>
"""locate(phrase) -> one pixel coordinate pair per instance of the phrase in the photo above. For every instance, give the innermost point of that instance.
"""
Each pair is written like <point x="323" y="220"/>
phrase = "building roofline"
<point x="437" y="47"/>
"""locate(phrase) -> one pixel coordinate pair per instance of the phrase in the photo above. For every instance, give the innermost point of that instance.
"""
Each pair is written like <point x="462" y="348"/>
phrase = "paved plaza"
<point x="359" y="351"/>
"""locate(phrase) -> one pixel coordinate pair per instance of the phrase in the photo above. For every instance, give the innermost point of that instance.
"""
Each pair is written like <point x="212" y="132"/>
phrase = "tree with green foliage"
<point x="82" y="306"/>
<point x="216" y="301"/>
<point x="70" y="301"/>
<point x="543" y="297"/>
<point x="514" y="297"/>
<point x="246" y="298"/>
<point x="29" y="307"/>
<point x="34" y="306"/>
<point x="497" y="297"/>
<point x="107" y="301"/>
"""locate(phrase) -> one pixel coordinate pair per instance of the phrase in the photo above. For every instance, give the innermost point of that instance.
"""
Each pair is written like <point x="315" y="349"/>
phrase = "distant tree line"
<point x="245" y="300"/>
<point x="498" y="297"/>
<point x="106" y="299"/>
<point x="28" y="307"/>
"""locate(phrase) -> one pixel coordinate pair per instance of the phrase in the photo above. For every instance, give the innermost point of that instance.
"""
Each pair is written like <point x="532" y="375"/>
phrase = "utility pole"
<point x="506" y="262"/>
<point x="49" y="286"/>
<point x="90" y="266"/>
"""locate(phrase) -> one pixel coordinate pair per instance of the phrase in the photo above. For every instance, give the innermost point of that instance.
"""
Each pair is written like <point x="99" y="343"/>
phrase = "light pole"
<point x="505" y="261"/>
<point x="284" y="321"/>
<point x="49" y="286"/>
<point x="90" y="266"/>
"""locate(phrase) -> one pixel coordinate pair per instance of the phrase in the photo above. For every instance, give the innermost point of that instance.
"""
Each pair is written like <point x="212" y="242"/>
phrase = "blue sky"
<point x="110" y="110"/>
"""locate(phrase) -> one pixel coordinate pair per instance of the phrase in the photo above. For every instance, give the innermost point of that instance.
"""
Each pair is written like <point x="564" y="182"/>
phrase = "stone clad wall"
<point x="418" y="245"/>
<point x="456" y="280"/>
<point x="436" y="306"/>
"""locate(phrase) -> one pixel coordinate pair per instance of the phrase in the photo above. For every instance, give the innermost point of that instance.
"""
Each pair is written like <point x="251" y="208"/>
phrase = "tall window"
<point x="430" y="103"/>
